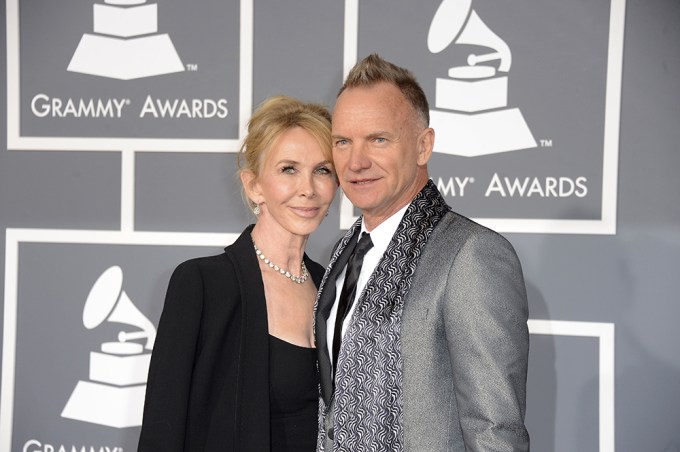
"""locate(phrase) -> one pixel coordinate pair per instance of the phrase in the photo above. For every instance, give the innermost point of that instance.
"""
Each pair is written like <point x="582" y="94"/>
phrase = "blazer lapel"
<point x="253" y="376"/>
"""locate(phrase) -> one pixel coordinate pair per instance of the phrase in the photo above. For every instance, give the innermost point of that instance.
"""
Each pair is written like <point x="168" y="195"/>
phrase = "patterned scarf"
<point x="368" y="402"/>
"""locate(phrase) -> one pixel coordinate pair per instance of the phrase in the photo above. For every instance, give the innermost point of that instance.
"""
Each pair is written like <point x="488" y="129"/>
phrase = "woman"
<point x="233" y="367"/>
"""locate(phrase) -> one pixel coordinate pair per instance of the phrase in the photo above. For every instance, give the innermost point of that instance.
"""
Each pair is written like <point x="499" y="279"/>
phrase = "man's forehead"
<point x="374" y="90"/>
<point x="369" y="101"/>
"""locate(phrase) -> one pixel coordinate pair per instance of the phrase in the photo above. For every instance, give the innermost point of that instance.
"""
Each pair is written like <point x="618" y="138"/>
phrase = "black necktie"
<point x="349" y="289"/>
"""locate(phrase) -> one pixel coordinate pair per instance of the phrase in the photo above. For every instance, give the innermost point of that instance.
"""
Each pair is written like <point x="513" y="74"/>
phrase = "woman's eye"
<point x="288" y="169"/>
<point x="324" y="170"/>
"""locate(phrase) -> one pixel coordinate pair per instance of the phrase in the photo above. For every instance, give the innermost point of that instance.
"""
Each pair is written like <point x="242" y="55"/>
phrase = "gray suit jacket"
<point x="465" y="342"/>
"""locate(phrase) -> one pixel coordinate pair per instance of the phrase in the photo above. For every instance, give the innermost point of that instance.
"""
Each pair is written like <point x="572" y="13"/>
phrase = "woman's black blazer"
<point x="208" y="385"/>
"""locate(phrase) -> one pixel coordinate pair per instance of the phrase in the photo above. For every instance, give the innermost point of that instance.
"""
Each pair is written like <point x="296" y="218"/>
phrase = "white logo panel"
<point x="130" y="77"/>
<point x="526" y="139"/>
<point x="604" y="333"/>
<point x="81" y="344"/>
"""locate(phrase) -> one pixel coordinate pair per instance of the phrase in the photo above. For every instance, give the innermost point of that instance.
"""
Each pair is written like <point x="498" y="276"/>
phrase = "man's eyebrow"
<point x="379" y="133"/>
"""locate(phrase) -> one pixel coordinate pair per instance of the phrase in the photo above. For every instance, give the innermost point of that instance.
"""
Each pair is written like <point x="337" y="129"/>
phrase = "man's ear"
<point x="251" y="186"/>
<point x="425" y="146"/>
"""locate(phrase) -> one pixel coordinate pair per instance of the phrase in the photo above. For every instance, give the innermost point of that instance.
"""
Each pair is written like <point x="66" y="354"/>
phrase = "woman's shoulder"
<point x="228" y="259"/>
<point x="203" y="267"/>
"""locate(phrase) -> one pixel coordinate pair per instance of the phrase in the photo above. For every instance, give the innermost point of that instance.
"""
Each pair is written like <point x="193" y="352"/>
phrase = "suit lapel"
<point x="325" y="303"/>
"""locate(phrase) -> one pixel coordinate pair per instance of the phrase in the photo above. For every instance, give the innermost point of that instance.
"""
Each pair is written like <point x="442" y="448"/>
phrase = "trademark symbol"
<point x="546" y="143"/>
<point x="192" y="67"/>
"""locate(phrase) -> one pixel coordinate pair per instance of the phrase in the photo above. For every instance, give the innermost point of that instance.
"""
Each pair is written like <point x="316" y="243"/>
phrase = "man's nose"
<point x="358" y="158"/>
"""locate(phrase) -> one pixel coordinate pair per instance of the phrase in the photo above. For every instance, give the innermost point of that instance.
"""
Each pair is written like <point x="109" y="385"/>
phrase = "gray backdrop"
<point x="79" y="194"/>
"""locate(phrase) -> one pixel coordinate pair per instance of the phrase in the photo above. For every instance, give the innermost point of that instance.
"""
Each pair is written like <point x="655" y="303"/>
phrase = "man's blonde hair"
<point x="373" y="70"/>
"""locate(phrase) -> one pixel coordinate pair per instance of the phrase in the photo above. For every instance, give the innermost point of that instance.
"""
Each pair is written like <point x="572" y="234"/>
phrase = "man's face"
<point x="380" y="150"/>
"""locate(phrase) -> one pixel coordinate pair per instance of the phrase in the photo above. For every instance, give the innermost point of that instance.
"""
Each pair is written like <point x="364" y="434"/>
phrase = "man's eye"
<point x="380" y="140"/>
<point x="341" y="142"/>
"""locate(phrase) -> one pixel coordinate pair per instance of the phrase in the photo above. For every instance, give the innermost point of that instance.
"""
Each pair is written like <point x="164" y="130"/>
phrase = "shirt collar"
<point x="382" y="234"/>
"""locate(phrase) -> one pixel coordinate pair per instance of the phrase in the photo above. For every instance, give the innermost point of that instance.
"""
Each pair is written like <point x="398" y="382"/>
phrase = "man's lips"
<point x="362" y="181"/>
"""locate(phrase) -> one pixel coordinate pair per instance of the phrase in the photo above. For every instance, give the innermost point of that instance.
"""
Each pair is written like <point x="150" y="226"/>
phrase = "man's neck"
<point x="371" y="222"/>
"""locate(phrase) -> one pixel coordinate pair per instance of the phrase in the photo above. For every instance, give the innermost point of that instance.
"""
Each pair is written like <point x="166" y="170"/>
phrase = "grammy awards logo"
<point x="471" y="116"/>
<point x="114" y="394"/>
<point x="126" y="43"/>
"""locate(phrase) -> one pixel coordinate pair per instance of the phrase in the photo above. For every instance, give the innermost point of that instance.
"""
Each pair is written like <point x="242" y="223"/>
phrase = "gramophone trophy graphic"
<point x="471" y="116"/>
<point x="114" y="394"/>
<point x="125" y="44"/>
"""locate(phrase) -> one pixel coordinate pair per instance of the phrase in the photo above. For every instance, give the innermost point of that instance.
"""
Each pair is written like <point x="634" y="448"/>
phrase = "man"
<point x="431" y="338"/>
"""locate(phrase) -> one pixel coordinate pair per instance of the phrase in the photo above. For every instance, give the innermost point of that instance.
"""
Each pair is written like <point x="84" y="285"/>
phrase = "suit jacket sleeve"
<point x="172" y="363"/>
<point x="486" y="329"/>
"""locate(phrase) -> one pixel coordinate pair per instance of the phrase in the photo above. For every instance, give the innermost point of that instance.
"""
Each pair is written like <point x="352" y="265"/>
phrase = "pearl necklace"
<point x="296" y="279"/>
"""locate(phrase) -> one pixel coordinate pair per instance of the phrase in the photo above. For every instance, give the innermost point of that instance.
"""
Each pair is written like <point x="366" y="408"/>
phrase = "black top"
<point x="293" y="396"/>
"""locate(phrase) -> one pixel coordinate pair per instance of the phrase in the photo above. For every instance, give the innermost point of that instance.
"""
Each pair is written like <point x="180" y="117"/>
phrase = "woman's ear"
<point x="251" y="186"/>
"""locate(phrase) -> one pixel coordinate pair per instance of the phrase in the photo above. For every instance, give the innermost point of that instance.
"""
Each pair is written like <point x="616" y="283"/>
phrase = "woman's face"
<point x="296" y="184"/>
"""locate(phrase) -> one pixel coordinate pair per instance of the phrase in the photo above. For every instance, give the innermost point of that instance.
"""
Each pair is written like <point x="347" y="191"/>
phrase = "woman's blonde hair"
<point x="273" y="117"/>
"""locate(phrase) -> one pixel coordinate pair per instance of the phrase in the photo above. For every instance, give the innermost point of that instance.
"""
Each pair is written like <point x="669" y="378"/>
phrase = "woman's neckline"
<point x="291" y="344"/>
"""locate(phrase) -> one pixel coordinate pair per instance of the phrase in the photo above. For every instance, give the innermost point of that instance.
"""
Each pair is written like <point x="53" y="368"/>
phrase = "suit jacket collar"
<point x="326" y="296"/>
<point x="324" y="304"/>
